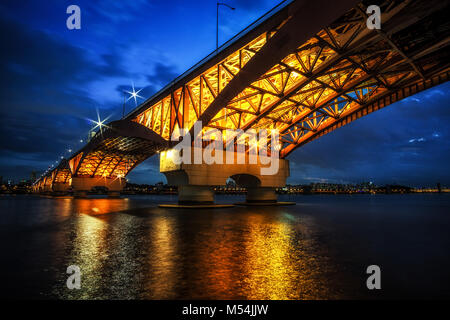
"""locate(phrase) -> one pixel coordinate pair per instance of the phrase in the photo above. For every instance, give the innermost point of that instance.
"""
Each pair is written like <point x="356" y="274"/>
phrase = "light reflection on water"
<point x="130" y="249"/>
<point x="271" y="272"/>
<point x="162" y="259"/>
<point x="88" y="251"/>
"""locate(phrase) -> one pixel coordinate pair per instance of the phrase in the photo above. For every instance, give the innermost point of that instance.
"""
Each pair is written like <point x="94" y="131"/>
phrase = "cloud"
<point x="247" y="5"/>
<point x="162" y="75"/>
<point x="49" y="70"/>
<point x="119" y="11"/>
<point x="44" y="101"/>
<point x="48" y="90"/>
<point x="417" y="140"/>
<point x="49" y="86"/>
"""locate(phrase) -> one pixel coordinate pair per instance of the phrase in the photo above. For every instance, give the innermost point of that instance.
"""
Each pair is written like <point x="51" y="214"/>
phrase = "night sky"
<point x="54" y="80"/>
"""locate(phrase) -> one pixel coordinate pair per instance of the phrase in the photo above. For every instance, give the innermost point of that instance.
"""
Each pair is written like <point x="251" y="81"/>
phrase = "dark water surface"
<point x="319" y="249"/>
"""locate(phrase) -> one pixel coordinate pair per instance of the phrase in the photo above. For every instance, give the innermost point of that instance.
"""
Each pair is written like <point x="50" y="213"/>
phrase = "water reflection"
<point x="89" y="245"/>
<point x="270" y="271"/>
<point x="162" y="256"/>
<point x="99" y="206"/>
<point x="131" y="249"/>
<point x="159" y="254"/>
<point x="88" y="252"/>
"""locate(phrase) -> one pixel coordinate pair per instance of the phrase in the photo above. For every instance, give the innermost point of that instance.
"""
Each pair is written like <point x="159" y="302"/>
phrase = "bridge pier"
<point x="59" y="188"/>
<point x="80" y="194"/>
<point x="113" y="194"/>
<point x="82" y="185"/>
<point x="261" y="195"/>
<point x="195" y="181"/>
<point x="47" y="189"/>
<point x="190" y="194"/>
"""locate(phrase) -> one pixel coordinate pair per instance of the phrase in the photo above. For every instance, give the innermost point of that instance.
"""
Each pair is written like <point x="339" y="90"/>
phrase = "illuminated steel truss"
<point x="341" y="70"/>
<point x="116" y="150"/>
<point x="305" y="70"/>
<point x="61" y="174"/>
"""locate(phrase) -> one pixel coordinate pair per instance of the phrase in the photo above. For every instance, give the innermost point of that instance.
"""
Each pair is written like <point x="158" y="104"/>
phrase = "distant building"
<point x="33" y="176"/>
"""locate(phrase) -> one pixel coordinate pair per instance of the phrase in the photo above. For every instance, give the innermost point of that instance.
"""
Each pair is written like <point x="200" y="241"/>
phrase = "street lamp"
<point x="217" y="22"/>
<point x="123" y="106"/>
<point x="133" y="95"/>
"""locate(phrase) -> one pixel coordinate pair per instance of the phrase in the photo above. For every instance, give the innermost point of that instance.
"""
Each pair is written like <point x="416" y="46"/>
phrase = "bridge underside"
<point x="111" y="154"/>
<point x="305" y="71"/>
<point x="304" y="79"/>
<point x="116" y="150"/>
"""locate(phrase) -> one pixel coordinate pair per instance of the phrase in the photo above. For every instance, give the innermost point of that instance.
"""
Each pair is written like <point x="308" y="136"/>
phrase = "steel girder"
<point x="116" y="150"/>
<point x="305" y="71"/>
<point x="299" y="77"/>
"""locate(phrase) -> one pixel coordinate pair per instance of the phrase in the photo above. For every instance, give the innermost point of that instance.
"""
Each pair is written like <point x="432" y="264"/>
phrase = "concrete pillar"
<point x="80" y="194"/>
<point x="113" y="194"/>
<point x="194" y="181"/>
<point x="261" y="195"/>
<point x="82" y="185"/>
<point x="59" y="188"/>
<point x="190" y="194"/>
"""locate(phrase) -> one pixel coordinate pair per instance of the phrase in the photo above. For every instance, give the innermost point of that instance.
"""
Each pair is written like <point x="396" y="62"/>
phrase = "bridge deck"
<point x="305" y="69"/>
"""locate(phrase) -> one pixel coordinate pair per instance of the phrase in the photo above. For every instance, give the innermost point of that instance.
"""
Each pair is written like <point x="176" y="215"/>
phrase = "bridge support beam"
<point x="47" y="189"/>
<point x="190" y="194"/>
<point x="195" y="181"/>
<point x="113" y="194"/>
<point x="261" y="195"/>
<point x="59" y="189"/>
<point x="82" y="185"/>
<point x="80" y="194"/>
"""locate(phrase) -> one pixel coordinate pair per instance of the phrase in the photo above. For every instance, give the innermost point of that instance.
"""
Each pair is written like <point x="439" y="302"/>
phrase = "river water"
<point x="129" y="248"/>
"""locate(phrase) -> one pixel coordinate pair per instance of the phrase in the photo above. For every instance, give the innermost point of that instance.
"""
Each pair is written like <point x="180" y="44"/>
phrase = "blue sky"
<point x="54" y="80"/>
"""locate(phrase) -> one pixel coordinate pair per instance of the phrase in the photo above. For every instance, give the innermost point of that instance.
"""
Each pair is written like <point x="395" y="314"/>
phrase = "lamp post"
<point x="124" y="101"/>
<point x="217" y="22"/>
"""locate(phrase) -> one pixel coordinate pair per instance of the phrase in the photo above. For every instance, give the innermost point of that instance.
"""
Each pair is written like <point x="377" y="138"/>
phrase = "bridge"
<point x="304" y="69"/>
